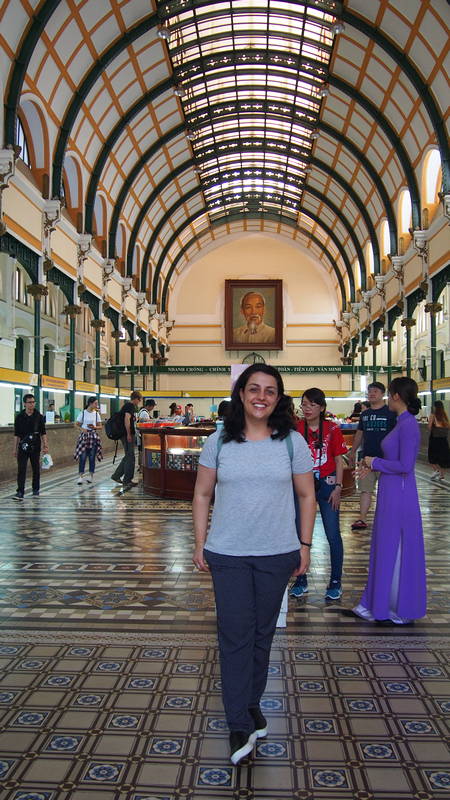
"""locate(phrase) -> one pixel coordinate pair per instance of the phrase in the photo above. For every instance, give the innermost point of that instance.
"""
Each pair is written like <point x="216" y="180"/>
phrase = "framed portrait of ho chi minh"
<point x="253" y="315"/>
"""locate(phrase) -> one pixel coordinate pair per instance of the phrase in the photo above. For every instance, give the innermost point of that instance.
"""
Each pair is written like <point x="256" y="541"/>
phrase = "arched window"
<point x="404" y="212"/>
<point x="22" y="142"/>
<point x="432" y="176"/>
<point x="385" y="239"/>
<point x="369" y="258"/>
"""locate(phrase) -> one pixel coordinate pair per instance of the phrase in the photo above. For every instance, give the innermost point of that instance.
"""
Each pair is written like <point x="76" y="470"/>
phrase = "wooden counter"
<point x="170" y="458"/>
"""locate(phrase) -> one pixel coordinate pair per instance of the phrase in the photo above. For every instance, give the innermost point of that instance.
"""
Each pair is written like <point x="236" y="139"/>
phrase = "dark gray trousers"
<point x="248" y="591"/>
<point x="125" y="468"/>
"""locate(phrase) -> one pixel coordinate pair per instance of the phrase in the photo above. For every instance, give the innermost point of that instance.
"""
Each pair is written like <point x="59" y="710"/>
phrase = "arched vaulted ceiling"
<point x="196" y="118"/>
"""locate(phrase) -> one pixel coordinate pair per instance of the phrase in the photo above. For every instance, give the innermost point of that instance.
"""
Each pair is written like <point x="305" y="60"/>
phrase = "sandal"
<point x="359" y="525"/>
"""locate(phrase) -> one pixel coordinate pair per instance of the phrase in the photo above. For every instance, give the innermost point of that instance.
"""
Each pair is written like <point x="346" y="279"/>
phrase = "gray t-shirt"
<point x="254" y="510"/>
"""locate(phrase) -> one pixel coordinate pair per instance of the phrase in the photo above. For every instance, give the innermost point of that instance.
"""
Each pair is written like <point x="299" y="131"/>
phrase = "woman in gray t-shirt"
<point x="252" y="548"/>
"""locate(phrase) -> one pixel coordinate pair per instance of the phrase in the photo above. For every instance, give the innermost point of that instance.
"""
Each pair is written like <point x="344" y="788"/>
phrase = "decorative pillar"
<point x="37" y="291"/>
<point x="388" y="336"/>
<point x="408" y="323"/>
<point x="98" y="325"/>
<point x="374" y="342"/>
<point x="432" y="309"/>
<point x="72" y="310"/>
<point x="144" y="351"/>
<point x="132" y="343"/>
<point x="155" y="358"/>
<point x="116" y="336"/>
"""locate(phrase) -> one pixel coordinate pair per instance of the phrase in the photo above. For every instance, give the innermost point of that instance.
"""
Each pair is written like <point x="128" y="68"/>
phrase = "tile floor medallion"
<point x="110" y="683"/>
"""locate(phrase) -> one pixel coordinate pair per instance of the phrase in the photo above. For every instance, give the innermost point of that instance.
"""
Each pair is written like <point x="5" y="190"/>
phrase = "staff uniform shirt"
<point x="375" y="423"/>
<point x="254" y="510"/>
<point x="332" y="445"/>
<point x="88" y="418"/>
<point x="26" y="423"/>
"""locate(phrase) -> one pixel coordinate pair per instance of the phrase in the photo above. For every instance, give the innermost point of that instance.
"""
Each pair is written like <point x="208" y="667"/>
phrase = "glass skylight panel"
<point x="252" y="71"/>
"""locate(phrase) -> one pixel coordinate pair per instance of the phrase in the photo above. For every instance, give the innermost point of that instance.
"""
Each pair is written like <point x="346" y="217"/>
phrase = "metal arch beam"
<point x="407" y="67"/>
<point x="182" y="167"/>
<point x="276" y="218"/>
<point x="84" y="88"/>
<point x="334" y="134"/>
<point x="362" y="158"/>
<point x="379" y="119"/>
<point x="43" y="15"/>
<point x="198" y="236"/>
<point x="360" y="206"/>
<point x="395" y="141"/>
<point x="29" y="42"/>
<point x="101" y="160"/>
<point x="419" y="84"/>
<point x="198" y="190"/>
<point x="116" y="132"/>
<point x="143" y="211"/>
<point x="362" y="261"/>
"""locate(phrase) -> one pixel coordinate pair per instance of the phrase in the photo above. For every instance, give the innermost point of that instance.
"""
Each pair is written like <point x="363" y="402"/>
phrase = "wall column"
<point x="432" y="309"/>
<point x="37" y="291"/>
<point x="116" y="336"/>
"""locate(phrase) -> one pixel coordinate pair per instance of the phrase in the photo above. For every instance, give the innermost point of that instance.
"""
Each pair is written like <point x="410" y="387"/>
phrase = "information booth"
<point x="170" y="458"/>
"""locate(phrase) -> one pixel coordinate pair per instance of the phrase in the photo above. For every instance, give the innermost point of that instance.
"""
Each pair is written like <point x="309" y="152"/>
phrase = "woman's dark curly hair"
<point x="281" y="420"/>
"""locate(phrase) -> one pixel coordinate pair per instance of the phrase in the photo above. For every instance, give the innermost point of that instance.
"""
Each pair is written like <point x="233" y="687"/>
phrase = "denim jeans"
<point x="330" y="520"/>
<point x="90" y="453"/>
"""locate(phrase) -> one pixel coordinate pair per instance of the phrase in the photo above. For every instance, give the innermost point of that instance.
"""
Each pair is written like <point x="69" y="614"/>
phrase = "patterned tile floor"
<point x="110" y="686"/>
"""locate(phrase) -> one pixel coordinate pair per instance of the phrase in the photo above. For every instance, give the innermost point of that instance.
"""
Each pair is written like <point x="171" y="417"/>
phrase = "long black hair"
<point x="407" y="390"/>
<point x="280" y="421"/>
<point x="315" y="395"/>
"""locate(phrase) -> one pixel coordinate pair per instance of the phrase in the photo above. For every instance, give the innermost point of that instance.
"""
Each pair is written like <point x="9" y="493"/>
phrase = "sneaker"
<point x="90" y="478"/>
<point x="333" y="594"/>
<point x="435" y="476"/>
<point x="241" y="744"/>
<point x="298" y="590"/>
<point x="80" y="480"/>
<point x="130" y="484"/>
<point x="260" y="721"/>
<point x="17" y="496"/>
<point x="35" y="494"/>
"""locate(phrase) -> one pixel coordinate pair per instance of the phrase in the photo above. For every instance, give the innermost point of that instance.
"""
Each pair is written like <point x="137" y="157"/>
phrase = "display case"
<point x="170" y="459"/>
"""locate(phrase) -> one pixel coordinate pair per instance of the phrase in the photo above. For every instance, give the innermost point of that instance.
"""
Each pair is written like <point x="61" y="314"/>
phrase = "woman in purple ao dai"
<point x="396" y="586"/>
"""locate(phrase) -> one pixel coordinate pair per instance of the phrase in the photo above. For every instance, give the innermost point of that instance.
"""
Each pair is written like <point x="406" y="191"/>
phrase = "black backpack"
<point x="115" y="426"/>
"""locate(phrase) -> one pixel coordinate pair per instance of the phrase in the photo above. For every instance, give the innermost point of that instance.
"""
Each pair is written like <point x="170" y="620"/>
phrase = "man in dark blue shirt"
<point x="374" y="424"/>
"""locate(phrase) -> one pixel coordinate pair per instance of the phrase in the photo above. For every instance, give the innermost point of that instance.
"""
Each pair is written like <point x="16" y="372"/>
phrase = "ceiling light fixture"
<point x="315" y="134"/>
<point x="164" y="32"/>
<point x="337" y="27"/>
<point x="324" y="91"/>
<point x="179" y="90"/>
<point x="190" y="135"/>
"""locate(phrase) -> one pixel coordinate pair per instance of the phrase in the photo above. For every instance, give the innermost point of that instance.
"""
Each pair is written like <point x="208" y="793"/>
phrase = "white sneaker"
<point x="90" y="478"/>
<point x="435" y="476"/>
<point x="80" y="480"/>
